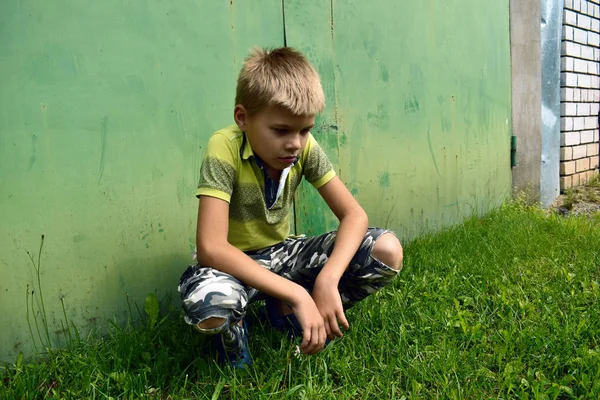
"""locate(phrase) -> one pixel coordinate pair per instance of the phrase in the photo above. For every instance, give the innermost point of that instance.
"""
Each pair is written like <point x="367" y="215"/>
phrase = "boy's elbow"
<point x="206" y="251"/>
<point x="362" y="216"/>
<point x="365" y="217"/>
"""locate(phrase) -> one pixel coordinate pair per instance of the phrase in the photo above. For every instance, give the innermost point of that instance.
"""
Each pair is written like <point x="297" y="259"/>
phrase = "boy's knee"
<point x="388" y="250"/>
<point x="210" y="324"/>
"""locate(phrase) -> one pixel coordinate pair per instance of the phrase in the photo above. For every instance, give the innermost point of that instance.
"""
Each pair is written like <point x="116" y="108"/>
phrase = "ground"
<point x="583" y="200"/>
<point x="499" y="306"/>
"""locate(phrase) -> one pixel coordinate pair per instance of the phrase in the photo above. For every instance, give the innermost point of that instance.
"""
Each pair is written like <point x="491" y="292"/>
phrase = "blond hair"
<point x="279" y="77"/>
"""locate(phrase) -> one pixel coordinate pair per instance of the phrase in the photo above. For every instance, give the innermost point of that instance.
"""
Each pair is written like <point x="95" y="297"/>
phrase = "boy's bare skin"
<point x="277" y="136"/>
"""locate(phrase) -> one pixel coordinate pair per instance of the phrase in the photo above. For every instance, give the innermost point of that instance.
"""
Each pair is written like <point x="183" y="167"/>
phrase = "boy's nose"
<point x="294" y="143"/>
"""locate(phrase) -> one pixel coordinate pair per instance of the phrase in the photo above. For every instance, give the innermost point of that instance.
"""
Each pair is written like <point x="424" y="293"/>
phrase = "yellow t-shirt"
<point x="229" y="172"/>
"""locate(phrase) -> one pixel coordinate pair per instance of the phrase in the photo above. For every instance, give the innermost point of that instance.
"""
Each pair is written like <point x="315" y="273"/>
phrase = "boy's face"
<point x="276" y="135"/>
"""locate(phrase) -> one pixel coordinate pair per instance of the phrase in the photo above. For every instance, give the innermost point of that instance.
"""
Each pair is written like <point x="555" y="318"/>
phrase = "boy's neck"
<point x="275" y="174"/>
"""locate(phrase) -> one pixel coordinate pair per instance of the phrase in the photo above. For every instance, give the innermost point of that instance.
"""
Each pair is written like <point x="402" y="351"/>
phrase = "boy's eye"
<point x="281" y="131"/>
<point x="304" y="132"/>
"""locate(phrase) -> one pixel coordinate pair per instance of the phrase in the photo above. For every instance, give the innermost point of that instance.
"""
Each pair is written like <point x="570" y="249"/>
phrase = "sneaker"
<point x="236" y="360"/>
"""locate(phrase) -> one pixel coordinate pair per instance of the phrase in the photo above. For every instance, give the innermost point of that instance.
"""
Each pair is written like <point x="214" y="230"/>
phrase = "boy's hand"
<point x="327" y="298"/>
<point x="313" y="326"/>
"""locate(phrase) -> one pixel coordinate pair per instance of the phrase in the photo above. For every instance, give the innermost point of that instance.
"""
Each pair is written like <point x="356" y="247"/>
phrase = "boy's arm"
<point x="215" y="251"/>
<point x="353" y="226"/>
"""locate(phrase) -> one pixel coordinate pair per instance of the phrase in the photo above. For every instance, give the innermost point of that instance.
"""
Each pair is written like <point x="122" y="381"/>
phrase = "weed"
<point x="570" y="199"/>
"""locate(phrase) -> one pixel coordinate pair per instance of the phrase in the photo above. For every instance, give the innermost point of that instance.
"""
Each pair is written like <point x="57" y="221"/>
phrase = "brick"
<point x="566" y="94"/>
<point x="567" y="64"/>
<point x="582" y="164"/>
<point x="568" y="109"/>
<point x="570" y="138"/>
<point x="594" y="108"/>
<point x="596" y="96"/>
<point x="566" y="124"/>
<point x="595" y="24"/>
<point x="579" y="151"/>
<point x="584" y="22"/>
<point x="580" y="66"/>
<point x="592" y="149"/>
<point x="580" y="35"/>
<point x="566" y="183"/>
<point x="570" y="18"/>
<point x="583" y="7"/>
<point x="584" y="95"/>
<point x="569" y="4"/>
<point x="584" y="81"/>
<point x="594" y="162"/>
<point x="576" y="180"/>
<point x="595" y="81"/>
<point x="583" y="109"/>
<point x="577" y="5"/>
<point x="566" y="153"/>
<point x="567" y="33"/>
<point x="589" y="122"/>
<point x="585" y="52"/>
<point x="577" y="94"/>
<point x="593" y="39"/>
<point x="570" y="49"/>
<point x="578" y="124"/>
<point x="593" y="68"/>
<point x="568" y="79"/>
<point x="568" y="167"/>
<point x="596" y="136"/>
<point x="587" y="136"/>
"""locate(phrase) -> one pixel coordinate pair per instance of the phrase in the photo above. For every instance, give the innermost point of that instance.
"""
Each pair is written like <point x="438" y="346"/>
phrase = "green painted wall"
<point x="105" y="107"/>
<point x="421" y="96"/>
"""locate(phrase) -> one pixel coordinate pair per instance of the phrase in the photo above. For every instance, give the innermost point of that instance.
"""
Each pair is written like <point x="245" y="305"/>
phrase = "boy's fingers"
<point x="327" y="329"/>
<point x="342" y="318"/>
<point x="323" y="340"/>
<point x="314" y="341"/>
<point x="334" y="327"/>
<point x="309" y="338"/>
<point x="305" y="339"/>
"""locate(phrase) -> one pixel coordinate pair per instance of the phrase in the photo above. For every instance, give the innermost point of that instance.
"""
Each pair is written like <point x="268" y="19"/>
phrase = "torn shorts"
<point x="207" y="292"/>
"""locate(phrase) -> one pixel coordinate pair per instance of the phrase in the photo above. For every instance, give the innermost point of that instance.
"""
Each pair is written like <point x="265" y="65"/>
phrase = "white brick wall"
<point x="580" y="92"/>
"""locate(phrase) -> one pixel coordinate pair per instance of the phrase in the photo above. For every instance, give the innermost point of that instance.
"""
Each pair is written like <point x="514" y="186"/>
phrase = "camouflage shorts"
<point x="207" y="292"/>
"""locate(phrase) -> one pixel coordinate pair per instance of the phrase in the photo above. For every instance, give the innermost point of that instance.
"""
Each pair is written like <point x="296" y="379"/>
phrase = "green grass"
<point x="505" y="306"/>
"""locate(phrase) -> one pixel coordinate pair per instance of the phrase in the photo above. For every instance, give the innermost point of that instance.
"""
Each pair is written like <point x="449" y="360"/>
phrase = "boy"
<point x="247" y="182"/>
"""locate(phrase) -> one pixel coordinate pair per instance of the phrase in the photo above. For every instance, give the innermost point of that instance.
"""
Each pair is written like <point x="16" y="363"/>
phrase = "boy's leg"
<point x="302" y="259"/>
<point x="215" y="303"/>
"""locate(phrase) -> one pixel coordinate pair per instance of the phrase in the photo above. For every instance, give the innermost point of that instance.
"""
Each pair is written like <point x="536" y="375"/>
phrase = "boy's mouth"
<point x="287" y="160"/>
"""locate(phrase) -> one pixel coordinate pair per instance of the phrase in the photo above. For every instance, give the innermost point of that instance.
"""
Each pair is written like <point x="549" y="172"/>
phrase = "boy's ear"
<point x="240" y="115"/>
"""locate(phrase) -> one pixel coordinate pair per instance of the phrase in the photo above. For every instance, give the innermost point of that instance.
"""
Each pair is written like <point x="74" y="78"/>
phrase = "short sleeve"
<point x="217" y="173"/>
<point x="316" y="166"/>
